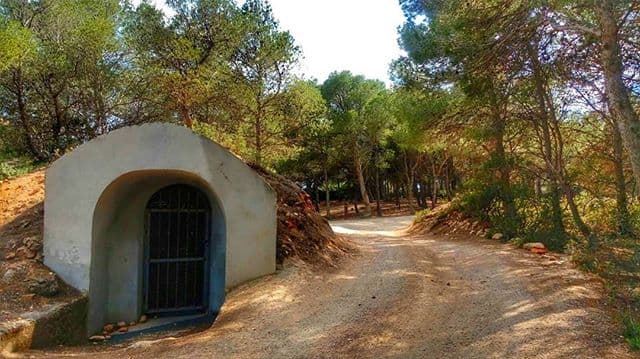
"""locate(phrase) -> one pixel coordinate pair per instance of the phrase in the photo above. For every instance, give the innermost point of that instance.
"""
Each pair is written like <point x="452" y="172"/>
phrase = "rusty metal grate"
<point x="178" y="219"/>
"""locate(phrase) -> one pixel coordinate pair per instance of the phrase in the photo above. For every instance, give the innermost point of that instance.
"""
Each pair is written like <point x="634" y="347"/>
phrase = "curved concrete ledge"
<point x="60" y="324"/>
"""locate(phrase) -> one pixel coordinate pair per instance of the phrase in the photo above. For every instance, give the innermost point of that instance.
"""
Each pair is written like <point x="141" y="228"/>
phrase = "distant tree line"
<point x="537" y="104"/>
<point x="72" y="70"/>
<point x="525" y="111"/>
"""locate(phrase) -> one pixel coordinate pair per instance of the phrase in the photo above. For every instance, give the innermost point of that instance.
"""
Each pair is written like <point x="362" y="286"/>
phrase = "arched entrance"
<point x="96" y="222"/>
<point x="178" y="234"/>
<point x="137" y="214"/>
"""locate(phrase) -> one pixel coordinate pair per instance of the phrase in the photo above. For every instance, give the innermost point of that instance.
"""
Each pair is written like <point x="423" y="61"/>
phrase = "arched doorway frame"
<point x="76" y="182"/>
<point x="116" y="291"/>
<point x="176" y="251"/>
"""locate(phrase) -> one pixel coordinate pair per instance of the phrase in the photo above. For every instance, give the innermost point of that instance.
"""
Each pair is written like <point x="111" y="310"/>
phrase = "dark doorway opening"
<point x="176" y="251"/>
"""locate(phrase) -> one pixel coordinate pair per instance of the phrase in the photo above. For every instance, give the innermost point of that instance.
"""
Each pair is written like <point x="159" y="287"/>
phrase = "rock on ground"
<point x="44" y="284"/>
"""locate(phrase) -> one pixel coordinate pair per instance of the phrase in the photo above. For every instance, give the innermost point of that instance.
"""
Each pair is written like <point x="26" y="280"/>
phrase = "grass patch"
<point x="517" y="241"/>
<point x="631" y="332"/>
<point x="421" y="215"/>
<point x="11" y="166"/>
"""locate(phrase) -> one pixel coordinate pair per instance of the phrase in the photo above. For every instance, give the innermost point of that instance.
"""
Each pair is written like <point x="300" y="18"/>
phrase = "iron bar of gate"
<point x="174" y="260"/>
<point x="178" y="237"/>
<point x="176" y="229"/>
<point x="194" y="281"/>
<point x="165" y="210"/>
<point x="157" y="268"/>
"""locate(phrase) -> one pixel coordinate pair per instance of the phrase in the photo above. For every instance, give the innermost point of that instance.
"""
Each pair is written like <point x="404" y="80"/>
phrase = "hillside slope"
<point x="26" y="284"/>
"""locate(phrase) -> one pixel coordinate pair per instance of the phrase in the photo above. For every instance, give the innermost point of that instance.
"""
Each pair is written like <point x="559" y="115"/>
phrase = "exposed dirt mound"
<point x="25" y="283"/>
<point x="303" y="234"/>
<point x="445" y="219"/>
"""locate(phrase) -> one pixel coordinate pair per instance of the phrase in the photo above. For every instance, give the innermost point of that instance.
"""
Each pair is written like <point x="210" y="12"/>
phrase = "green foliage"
<point x="477" y="200"/>
<point x="359" y="110"/>
<point x="54" y="86"/>
<point x="109" y="64"/>
<point x="421" y="215"/>
<point x="15" y="166"/>
<point x="631" y="332"/>
<point x="226" y="66"/>
<point x="12" y="161"/>
<point x="17" y="44"/>
<point x="481" y="200"/>
<point x="416" y="113"/>
<point x="531" y="129"/>
<point x="183" y="60"/>
<point x="517" y="241"/>
<point x="232" y="141"/>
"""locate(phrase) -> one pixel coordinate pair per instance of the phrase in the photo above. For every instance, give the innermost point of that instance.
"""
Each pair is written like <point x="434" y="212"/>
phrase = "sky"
<point x="356" y="35"/>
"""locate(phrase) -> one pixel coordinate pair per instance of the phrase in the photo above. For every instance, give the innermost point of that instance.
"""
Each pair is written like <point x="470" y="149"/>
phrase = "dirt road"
<point x="408" y="297"/>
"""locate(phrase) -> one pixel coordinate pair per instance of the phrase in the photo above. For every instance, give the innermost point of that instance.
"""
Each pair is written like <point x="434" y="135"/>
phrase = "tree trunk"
<point x="409" y="180"/>
<point x="186" y="116"/>
<point x="378" y="207"/>
<point x="424" y="189"/>
<point x="327" y="192"/>
<point x="362" y="185"/>
<point x="575" y="214"/>
<point x="504" y="170"/>
<point x="416" y="192"/>
<point x="258" y="140"/>
<point x="582" y="227"/>
<point x="615" y="88"/>
<point x="434" y="187"/>
<point x="622" y="210"/>
<point x="24" y="117"/>
<point x="447" y="178"/>
<point x="547" y="147"/>
<point x="58" y="125"/>
<point x="317" y="201"/>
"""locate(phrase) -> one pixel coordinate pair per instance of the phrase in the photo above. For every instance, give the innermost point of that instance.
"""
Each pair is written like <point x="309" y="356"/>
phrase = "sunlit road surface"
<point x="403" y="295"/>
<point x="374" y="226"/>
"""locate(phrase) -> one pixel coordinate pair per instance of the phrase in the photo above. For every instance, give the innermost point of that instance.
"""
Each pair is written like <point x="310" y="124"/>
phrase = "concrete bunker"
<point x="156" y="220"/>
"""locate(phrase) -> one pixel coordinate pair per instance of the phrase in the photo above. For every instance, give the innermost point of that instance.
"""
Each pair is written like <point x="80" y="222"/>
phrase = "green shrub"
<point x="517" y="241"/>
<point x="631" y="332"/>
<point x="15" y="166"/>
<point x="420" y="215"/>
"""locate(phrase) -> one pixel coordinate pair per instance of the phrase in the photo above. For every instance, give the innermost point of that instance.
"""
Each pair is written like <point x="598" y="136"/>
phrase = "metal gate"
<point x="176" y="251"/>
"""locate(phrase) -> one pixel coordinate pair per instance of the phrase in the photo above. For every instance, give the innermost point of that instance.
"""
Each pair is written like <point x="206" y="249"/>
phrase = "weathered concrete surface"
<point x="118" y="230"/>
<point x="94" y="214"/>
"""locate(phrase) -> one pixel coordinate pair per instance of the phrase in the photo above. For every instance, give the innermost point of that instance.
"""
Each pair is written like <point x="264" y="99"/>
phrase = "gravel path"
<point x="407" y="296"/>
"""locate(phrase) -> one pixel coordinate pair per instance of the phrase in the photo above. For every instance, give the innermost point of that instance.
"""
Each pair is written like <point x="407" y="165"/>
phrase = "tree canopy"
<point x="525" y="112"/>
